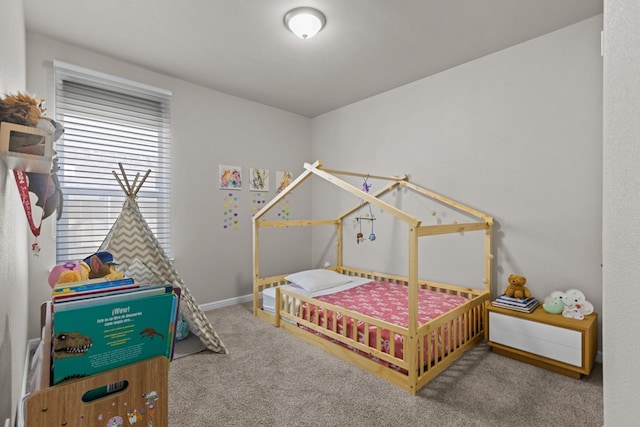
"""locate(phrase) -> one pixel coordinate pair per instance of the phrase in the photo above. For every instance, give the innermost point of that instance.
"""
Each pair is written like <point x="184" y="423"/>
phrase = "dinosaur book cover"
<point x="95" y="338"/>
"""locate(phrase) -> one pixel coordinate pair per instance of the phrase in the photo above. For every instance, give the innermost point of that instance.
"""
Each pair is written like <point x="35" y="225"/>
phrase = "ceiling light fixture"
<point x="304" y="22"/>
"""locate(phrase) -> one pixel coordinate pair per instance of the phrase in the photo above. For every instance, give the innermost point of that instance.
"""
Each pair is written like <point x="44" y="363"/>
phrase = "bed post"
<point x="412" y="347"/>
<point x="339" y="229"/>
<point x="488" y="256"/>
<point x="256" y="272"/>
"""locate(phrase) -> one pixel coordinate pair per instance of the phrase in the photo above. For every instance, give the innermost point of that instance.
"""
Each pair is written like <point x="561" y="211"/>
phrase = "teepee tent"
<point x="135" y="247"/>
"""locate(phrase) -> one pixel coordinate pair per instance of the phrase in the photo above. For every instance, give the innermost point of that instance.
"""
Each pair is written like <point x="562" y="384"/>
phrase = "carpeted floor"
<point x="271" y="378"/>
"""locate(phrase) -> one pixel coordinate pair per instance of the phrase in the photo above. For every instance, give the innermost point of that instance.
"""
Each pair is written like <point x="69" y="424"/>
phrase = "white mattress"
<point x="269" y="294"/>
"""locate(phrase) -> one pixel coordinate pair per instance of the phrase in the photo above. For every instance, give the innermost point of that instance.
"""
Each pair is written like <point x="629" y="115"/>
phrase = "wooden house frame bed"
<point x="428" y="348"/>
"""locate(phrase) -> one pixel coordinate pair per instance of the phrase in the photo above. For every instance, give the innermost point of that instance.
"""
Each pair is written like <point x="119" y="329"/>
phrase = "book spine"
<point x="517" y="300"/>
<point x="172" y="320"/>
<point x="510" y="304"/>
<point x="527" y="309"/>
<point x="93" y="292"/>
<point x="81" y="287"/>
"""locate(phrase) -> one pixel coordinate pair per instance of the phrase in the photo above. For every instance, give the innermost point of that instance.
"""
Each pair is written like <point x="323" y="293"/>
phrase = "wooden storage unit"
<point x="137" y="392"/>
<point x="551" y="341"/>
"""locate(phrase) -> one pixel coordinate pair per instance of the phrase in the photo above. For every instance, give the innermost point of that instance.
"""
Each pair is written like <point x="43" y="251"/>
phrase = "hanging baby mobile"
<point x="359" y="219"/>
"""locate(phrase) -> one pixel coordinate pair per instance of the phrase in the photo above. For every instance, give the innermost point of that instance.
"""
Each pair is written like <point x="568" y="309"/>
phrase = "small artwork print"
<point x="259" y="179"/>
<point x="230" y="177"/>
<point x="283" y="180"/>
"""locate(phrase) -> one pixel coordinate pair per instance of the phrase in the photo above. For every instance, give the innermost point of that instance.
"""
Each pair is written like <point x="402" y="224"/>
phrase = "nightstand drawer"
<point x="545" y="340"/>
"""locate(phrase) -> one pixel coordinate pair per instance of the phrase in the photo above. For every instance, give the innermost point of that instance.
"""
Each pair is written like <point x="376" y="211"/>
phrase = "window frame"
<point x="135" y="119"/>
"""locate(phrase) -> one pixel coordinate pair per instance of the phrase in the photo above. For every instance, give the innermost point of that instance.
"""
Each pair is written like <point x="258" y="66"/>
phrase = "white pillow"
<point x="318" y="279"/>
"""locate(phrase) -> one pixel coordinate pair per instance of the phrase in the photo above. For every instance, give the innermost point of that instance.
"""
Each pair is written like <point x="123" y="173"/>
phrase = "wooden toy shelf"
<point x="133" y="394"/>
<point x="26" y="148"/>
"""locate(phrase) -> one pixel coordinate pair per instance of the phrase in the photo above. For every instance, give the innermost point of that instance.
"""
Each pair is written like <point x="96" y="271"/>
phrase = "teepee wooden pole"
<point x="144" y="178"/>
<point x="126" y="180"/>
<point x="120" y="182"/>
<point x="135" y="180"/>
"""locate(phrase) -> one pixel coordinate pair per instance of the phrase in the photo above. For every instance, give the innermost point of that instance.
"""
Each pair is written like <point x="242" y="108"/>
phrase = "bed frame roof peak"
<point x="331" y="175"/>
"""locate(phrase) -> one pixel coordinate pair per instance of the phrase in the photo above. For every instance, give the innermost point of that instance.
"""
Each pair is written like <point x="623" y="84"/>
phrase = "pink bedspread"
<point x="385" y="301"/>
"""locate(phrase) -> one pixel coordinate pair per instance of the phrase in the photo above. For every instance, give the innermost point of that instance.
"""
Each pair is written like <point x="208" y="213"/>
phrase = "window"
<point x="107" y="121"/>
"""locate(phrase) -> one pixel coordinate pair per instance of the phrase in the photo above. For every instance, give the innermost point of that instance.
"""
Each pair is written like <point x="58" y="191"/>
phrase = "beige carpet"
<point x="270" y="378"/>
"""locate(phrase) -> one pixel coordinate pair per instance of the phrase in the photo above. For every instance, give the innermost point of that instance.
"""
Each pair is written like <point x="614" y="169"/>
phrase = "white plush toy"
<point x="574" y="304"/>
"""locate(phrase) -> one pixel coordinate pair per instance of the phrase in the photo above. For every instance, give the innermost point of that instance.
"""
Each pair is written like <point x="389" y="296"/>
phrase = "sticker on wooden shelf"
<point x="230" y="212"/>
<point x="116" y="421"/>
<point x="150" y="402"/>
<point x="134" y="416"/>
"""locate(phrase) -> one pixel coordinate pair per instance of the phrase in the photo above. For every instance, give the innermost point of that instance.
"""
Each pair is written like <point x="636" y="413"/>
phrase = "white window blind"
<point x="109" y="120"/>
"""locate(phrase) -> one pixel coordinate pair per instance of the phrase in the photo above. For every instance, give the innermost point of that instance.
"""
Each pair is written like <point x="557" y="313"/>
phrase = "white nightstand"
<point x="551" y="341"/>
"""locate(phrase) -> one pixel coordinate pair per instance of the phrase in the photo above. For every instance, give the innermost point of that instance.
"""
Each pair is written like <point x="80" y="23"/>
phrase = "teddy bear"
<point x="516" y="287"/>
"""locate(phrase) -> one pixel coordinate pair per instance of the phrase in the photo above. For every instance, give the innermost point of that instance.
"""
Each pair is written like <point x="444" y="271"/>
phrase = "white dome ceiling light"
<point x="304" y="22"/>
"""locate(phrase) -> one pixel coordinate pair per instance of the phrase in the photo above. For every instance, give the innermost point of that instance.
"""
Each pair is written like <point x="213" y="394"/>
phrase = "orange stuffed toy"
<point x="98" y="265"/>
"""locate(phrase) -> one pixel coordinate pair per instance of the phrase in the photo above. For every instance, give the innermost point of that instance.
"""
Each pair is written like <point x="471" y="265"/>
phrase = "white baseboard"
<point x="226" y="302"/>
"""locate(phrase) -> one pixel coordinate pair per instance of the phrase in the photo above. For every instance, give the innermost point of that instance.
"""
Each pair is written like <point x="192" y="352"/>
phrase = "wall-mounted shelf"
<point x="26" y="148"/>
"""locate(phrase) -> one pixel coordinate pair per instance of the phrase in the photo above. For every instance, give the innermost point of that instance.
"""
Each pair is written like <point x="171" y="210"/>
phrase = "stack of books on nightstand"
<point x="526" y="305"/>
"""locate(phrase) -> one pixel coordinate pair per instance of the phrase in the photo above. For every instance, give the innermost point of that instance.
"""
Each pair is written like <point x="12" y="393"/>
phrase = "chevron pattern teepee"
<point x="132" y="243"/>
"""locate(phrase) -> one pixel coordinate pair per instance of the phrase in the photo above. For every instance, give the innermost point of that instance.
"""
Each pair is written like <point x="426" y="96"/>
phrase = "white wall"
<point x="516" y="134"/>
<point x="13" y="227"/>
<point x="621" y="219"/>
<point x="208" y="128"/>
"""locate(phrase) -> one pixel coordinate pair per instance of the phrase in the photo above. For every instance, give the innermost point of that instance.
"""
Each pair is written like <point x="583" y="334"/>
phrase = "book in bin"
<point x="111" y="332"/>
<point x="91" y="287"/>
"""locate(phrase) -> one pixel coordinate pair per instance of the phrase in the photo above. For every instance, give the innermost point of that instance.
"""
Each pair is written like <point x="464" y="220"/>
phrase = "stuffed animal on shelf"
<point x="516" y="287"/>
<point x="21" y="108"/>
<point x="576" y="305"/>
<point x="554" y="303"/>
<point x="572" y="304"/>
<point x="68" y="272"/>
<point x="100" y="264"/>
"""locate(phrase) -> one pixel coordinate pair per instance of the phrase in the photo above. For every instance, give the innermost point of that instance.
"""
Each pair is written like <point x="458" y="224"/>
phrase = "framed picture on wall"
<point x="283" y="179"/>
<point x="259" y="179"/>
<point x="230" y="177"/>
